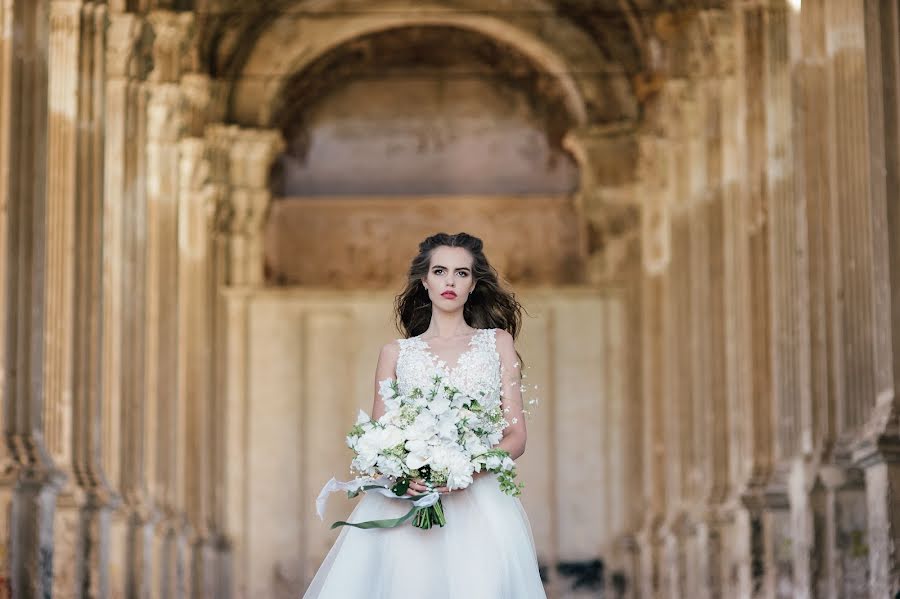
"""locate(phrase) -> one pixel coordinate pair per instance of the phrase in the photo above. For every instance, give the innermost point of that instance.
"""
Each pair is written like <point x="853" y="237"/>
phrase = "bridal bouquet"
<point x="436" y="434"/>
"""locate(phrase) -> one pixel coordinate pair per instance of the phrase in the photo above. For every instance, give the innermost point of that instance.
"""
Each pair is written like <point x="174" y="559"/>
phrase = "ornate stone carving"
<point x="129" y="44"/>
<point x="171" y="43"/>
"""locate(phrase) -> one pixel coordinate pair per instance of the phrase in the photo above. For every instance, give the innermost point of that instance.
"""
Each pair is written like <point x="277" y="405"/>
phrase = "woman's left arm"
<point x="515" y="434"/>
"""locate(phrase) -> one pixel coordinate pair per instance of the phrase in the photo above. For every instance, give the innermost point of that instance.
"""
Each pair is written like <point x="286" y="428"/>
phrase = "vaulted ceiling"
<point x="619" y="28"/>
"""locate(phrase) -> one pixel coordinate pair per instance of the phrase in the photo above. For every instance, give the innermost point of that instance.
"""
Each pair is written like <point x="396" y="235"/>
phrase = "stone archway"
<point x="274" y="361"/>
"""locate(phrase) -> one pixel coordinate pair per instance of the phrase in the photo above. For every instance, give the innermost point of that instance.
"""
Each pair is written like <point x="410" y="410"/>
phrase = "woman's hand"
<point x="417" y="487"/>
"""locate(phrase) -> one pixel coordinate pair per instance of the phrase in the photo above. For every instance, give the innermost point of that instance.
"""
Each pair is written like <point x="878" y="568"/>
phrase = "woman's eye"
<point x="438" y="271"/>
<point x="463" y="273"/>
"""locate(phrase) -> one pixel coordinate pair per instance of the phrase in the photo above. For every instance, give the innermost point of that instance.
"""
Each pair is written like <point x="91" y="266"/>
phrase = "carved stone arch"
<point x="595" y="89"/>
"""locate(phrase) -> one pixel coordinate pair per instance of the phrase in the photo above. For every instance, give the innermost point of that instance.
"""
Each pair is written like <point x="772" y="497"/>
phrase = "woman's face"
<point x="449" y="280"/>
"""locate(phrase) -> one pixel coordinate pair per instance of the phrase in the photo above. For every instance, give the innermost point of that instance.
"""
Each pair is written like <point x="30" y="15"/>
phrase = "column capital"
<point x="171" y="42"/>
<point x="129" y="44"/>
<point x="251" y="156"/>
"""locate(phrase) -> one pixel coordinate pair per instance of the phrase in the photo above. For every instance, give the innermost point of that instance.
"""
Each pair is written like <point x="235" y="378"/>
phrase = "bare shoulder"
<point x="390" y="350"/>
<point x="504" y="340"/>
<point x="387" y="361"/>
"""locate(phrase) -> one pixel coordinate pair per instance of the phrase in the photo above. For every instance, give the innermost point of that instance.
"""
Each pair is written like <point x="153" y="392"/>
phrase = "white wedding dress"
<point x="485" y="551"/>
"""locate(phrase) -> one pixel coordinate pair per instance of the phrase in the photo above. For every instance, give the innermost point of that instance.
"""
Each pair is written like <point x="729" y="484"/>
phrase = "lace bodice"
<point x="476" y="370"/>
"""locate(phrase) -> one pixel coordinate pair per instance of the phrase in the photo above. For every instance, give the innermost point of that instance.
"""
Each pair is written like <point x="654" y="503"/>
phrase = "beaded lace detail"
<point x="477" y="370"/>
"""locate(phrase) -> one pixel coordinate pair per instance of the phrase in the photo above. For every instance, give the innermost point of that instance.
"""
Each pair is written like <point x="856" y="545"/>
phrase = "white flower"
<point x="387" y="388"/>
<point x="493" y="461"/>
<point x="439" y="405"/>
<point x="390" y="466"/>
<point x="362" y="418"/>
<point x="455" y="463"/>
<point x="446" y="428"/>
<point x="419" y="453"/>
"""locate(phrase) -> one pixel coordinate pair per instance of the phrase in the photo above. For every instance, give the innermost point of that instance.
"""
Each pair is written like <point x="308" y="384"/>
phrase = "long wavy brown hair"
<point x="490" y="305"/>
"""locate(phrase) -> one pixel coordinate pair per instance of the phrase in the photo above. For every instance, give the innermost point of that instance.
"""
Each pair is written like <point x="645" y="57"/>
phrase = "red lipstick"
<point x="449" y="294"/>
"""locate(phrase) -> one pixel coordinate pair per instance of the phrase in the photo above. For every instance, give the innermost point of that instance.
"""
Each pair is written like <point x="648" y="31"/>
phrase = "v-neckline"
<point x="441" y="363"/>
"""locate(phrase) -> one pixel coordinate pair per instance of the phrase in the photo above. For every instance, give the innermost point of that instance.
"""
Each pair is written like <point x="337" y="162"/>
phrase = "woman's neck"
<point x="447" y="324"/>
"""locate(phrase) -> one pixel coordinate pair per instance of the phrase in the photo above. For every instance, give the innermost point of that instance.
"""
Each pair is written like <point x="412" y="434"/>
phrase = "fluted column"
<point x="167" y="114"/>
<point x="655" y="188"/>
<point x="197" y="197"/>
<point x="124" y="300"/>
<point x="161" y="368"/>
<point x="817" y="552"/>
<point x="768" y="508"/>
<point x="28" y="300"/>
<point x="77" y="110"/>
<point x="7" y="101"/>
<point x="862" y="362"/>
<point x="878" y="450"/>
<point x="63" y="195"/>
<point x="677" y="416"/>
<point x="789" y="293"/>
<point x="240" y="162"/>
<point x="883" y="467"/>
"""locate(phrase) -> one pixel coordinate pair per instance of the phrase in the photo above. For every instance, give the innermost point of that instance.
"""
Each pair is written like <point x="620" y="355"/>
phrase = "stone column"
<point x="817" y="552"/>
<point x="164" y="128"/>
<point x="8" y="104"/>
<point x="227" y="440"/>
<point x="240" y="162"/>
<point x="878" y="453"/>
<point x="740" y="427"/>
<point x="768" y="508"/>
<point x="63" y="196"/>
<point x="789" y="301"/>
<point x="197" y="199"/>
<point x="654" y="188"/>
<point x="91" y="429"/>
<point x="166" y="124"/>
<point x="124" y="301"/>
<point x="31" y="293"/>
<point x="862" y="362"/>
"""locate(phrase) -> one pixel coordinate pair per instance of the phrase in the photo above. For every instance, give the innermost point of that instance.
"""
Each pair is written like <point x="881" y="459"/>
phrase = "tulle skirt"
<point x="485" y="551"/>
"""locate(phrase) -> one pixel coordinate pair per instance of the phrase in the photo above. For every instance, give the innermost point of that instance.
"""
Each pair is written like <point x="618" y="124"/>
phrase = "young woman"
<point x="460" y="323"/>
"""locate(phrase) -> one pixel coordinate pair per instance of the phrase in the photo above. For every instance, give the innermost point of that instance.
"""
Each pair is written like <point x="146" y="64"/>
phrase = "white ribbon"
<point x="356" y="484"/>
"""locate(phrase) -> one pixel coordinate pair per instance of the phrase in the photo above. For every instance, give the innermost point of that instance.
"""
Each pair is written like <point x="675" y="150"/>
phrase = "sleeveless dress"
<point x="486" y="549"/>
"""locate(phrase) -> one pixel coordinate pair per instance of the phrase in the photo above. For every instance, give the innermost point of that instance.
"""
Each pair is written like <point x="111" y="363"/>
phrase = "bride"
<point x="460" y="323"/>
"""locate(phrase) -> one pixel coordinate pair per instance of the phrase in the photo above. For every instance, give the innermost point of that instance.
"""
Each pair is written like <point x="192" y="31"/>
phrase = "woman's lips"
<point x="449" y="294"/>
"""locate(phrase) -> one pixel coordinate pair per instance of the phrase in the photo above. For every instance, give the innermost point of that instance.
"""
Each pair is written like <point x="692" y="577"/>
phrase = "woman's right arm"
<point x="386" y="369"/>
